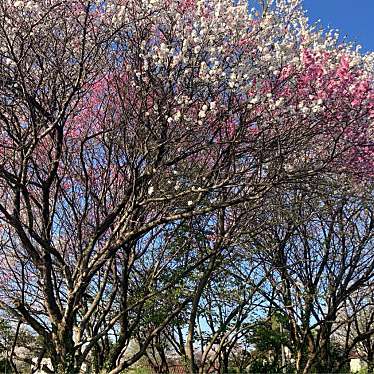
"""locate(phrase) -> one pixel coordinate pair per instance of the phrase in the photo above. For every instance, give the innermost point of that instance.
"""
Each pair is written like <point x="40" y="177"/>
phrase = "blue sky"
<point x="354" y="18"/>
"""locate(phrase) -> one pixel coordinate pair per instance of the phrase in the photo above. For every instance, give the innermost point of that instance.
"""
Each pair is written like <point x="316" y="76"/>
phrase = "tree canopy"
<point x="164" y="159"/>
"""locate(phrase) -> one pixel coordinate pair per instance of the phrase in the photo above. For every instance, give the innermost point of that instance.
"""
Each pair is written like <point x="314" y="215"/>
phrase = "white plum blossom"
<point x="151" y="190"/>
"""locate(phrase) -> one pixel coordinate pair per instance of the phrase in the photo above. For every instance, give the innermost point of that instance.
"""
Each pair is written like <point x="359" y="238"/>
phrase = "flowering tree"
<point x="120" y="119"/>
